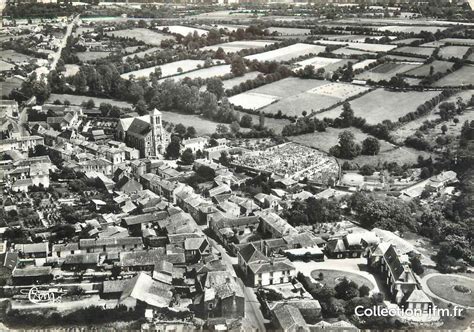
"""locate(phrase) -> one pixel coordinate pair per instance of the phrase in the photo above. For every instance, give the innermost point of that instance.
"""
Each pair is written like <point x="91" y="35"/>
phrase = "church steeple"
<point x="156" y="132"/>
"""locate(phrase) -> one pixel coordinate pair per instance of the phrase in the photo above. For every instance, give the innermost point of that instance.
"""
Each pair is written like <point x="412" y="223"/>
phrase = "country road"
<point x="57" y="54"/>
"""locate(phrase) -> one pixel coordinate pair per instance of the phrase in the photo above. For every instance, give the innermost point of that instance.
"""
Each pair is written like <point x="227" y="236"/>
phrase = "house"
<point x="163" y="271"/>
<point x="289" y="319"/>
<point x="195" y="248"/>
<point x="32" y="275"/>
<point x="62" y="250"/>
<point x="223" y="297"/>
<point x="261" y="270"/>
<point x="113" y="289"/>
<point x="141" y="260"/>
<point x="340" y="248"/>
<point x="143" y="289"/>
<point x="273" y="224"/>
<point x="227" y="229"/>
<point x="110" y="244"/>
<point x="81" y="262"/>
<point x="33" y="250"/>
<point x="128" y="185"/>
<point x="193" y="144"/>
<point x="310" y="309"/>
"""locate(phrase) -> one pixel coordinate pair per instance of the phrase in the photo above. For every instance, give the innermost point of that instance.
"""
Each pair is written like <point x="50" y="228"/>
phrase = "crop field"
<point x="289" y="31"/>
<point x="145" y="35"/>
<point x="385" y="71"/>
<point x="325" y="140"/>
<point x="142" y="53"/>
<point x="318" y="62"/>
<point x="403" y="58"/>
<point x="362" y="64"/>
<point x="288" y="87"/>
<point x="424" y="70"/>
<point x="424" y="52"/>
<point x="236" y="46"/>
<point x="406" y="41"/>
<point x="14" y="57"/>
<point x="463" y="76"/>
<point x="204" y="73"/>
<point x="5" y="66"/>
<point x="409" y="29"/>
<point x="449" y="52"/>
<point x="454" y="41"/>
<point x="349" y="51"/>
<point x="338" y="90"/>
<point x="347" y="38"/>
<point x="181" y="30"/>
<point x="78" y="100"/>
<point x="168" y="69"/>
<point x="252" y="100"/>
<point x="229" y="84"/>
<point x="91" y="56"/>
<point x="287" y="53"/>
<point x="380" y="104"/>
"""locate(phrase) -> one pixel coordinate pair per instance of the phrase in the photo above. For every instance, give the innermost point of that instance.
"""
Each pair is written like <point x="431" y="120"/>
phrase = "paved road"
<point x="57" y="54"/>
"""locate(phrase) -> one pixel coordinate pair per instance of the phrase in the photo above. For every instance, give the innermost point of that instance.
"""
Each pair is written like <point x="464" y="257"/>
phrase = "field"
<point x="167" y="69"/>
<point x="9" y="84"/>
<point x="236" y="46"/>
<point x="289" y="31"/>
<point x="409" y="29"/>
<point x="14" y="57"/>
<point x="349" y="51"/>
<point x="71" y="70"/>
<point x="424" y="52"/>
<point x="214" y="71"/>
<point x="443" y="286"/>
<point x="230" y="83"/>
<point x="362" y="64"/>
<point x="91" y="56"/>
<point x="406" y="41"/>
<point x="380" y="104"/>
<point x="325" y="140"/>
<point x="463" y="76"/>
<point x="252" y="100"/>
<point x="202" y="126"/>
<point x="287" y="53"/>
<point x="77" y="100"/>
<point x="5" y="66"/>
<point x="401" y="155"/>
<point x="181" y="30"/>
<point x="424" y="70"/>
<point x="142" y="53"/>
<point x="319" y="62"/>
<point x="403" y="58"/>
<point x="385" y="71"/>
<point x="366" y="47"/>
<point x="449" y="52"/>
<point x="454" y="41"/>
<point x="145" y="35"/>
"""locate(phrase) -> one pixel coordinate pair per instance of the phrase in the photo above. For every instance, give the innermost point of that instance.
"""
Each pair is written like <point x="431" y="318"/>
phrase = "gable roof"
<point x="139" y="127"/>
<point x="143" y="288"/>
<point x="250" y="254"/>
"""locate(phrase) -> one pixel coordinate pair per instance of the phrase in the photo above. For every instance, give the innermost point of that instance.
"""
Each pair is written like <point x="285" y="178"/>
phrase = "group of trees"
<point x="349" y="149"/>
<point x="313" y="211"/>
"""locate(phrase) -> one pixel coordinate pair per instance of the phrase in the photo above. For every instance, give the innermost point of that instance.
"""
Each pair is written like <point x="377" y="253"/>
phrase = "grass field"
<point x="181" y="30"/>
<point x="14" y="57"/>
<point x="449" y="52"/>
<point x="380" y="104"/>
<point x="392" y="57"/>
<point x="228" y="84"/>
<point x="320" y="62"/>
<point x="406" y="41"/>
<point x="202" y="126"/>
<point x="214" y="71"/>
<point x="289" y="31"/>
<point x="167" y="69"/>
<point x="325" y="140"/>
<point x="145" y="35"/>
<point x="5" y="66"/>
<point x="454" y="41"/>
<point x="424" y="52"/>
<point x="385" y="71"/>
<point x="333" y="277"/>
<point x="142" y="53"/>
<point x="424" y="70"/>
<point x="409" y="29"/>
<point x="349" y="51"/>
<point x="236" y="46"/>
<point x="362" y="64"/>
<point x="91" y="56"/>
<point x="77" y="100"/>
<point x="443" y="286"/>
<point x="401" y="155"/>
<point x="288" y="87"/>
<point x="463" y="76"/>
<point x="287" y="53"/>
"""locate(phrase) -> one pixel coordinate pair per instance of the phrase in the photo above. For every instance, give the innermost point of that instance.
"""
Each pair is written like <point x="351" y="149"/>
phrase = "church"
<point x="144" y="133"/>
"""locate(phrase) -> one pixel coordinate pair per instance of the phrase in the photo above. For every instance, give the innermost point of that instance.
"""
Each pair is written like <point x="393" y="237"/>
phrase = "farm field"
<point x="287" y="53"/>
<point x="14" y="57"/>
<point x="406" y="41"/>
<point x="424" y="52"/>
<point x="454" y="41"/>
<point x="350" y="51"/>
<point x="380" y="104"/>
<point x="289" y="31"/>
<point x="236" y="46"/>
<point x="229" y="84"/>
<point x="181" y="30"/>
<point x="214" y="71"/>
<point x="319" y="62"/>
<point x="142" y="53"/>
<point x="91" y="56"/>
<point x="325" y="140"/>
<point x="401" y="155"/>
<point x="252" y="100"/>
<point x="385" y="71"/>
<point x="5" y="66"/>
<point x="145" y="35"/>
<point x="358" y="46"/>
<point x="77" y="100"/>
<point x="403" y="58"/>
<point x="362" y="64"/>
<point x="424" y="70"/>
<point x="346" y="38"/>
<point x="463" y="76"/>
<point x="202" y="126"/>
<point x="449" y="52"/>
<point x="167" y="69"/>
<point x="409" y="29"/>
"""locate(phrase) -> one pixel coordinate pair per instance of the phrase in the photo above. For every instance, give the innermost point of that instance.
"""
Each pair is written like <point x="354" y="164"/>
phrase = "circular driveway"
<point x="441" y="286"/>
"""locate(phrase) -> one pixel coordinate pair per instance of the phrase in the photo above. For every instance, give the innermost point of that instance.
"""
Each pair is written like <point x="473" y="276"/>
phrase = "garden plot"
<point x="461" y="77"/>
<point x="142" y="34"/>
<point x="380" y="104"/>
<point x="181" y="30"/>
<point x="318" y="62"/>
<point x="229" y="84"/>
<point x="385" y="71"/>
<point x="214" y="71"/>
<point x="289" y="31"/>
<point x="287" y="53"/>
<point x="363" y="64"/>
<point x="141" y="54"/>
<point x="236" y="46"/>
<point x="424" y="70"/>
<point x="424" y="52"/>
<point x="172" y="68"/>
<point x="252" y="100"/>
<point x="449" y="52"/>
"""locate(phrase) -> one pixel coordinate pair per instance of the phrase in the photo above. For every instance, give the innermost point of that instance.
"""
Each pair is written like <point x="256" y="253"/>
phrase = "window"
<point x="210" y="306"/>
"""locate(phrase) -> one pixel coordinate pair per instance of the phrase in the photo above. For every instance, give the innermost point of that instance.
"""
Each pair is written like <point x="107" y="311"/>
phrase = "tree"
<point x="172" y="150"/>
<point x="222" y="129"/>
<point x="220" y="53"/>
<point x="191" y="132"/>
<point x="370" y="146"/>
<point x="215" y="86"/>
<point x="234" y="127"/>
<point x="346" y="148"/>
<point x="346" y="289"/>
<point x="90" y="104"/>
<point x="416" y="265"/>
<point x="321" y="276"/>
<point x="180" y="129"/>
<point x="224" y="159"/>
<point x="364" y="291"/>
<point x="444" y="129"/>
<point x="187" y="157"/>
<point x="367" y="170"/>
<point x="246" y="121"/>
<point x="347" y="115"/>
<point x="237" y="66"/>
<point x="141" y="107"/>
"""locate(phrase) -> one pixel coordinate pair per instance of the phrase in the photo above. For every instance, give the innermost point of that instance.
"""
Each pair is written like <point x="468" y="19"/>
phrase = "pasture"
<point x="168" y="69"/>
<point x="141" y="54"/>
<point x="349" y="51"/>
<point x="366" y="47"/>
<point x="252" y="100"/>
<point x="236" y="46"/>
<point x="363" y="64"/>
<point x="287" y="53"/>
<point x="407" y="41"/>
<point x="5" y="66"/>
<point x="449" y="52"/>
<point x="91" y="56"/>
<point x="142" y="34"/>
<point x="424" y="70"/>
<point x="385" y="71"/>
<point x="181" y="30"/>
<point x="461" y="77"/>
<point x="380" y="104"/>
<point x="453" y="41"/>
<point x="14" y="57"/>
<point x="230" y="83"/>
<point x="424" y="52"/>
<point x="402" y="58"/>
<point x="319" y="62"/>
<point x="78" y="100"/>
<point x="410" y="29"/>
<point x="289" y="31"/>
<point x="204" y="73"/>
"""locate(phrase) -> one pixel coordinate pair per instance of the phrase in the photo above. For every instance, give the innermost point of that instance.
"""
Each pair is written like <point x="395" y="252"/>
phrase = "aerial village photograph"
<point x="237" y="165"/>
